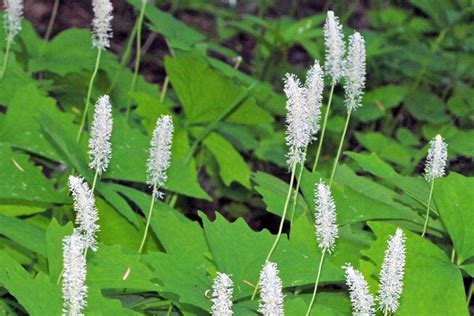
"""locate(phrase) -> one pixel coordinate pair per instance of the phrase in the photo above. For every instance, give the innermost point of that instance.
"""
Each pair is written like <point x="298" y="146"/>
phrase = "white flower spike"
<point x="12" y="18"/>
<point x="334" y="41"/>
<point x="355" y="72"/>
<point x="100" y="148"/>
<point x="391" y="275"/>
<point x="297" y="124"/>
<point x="222" y="295"/>
<point x="74" y="277"/>
<point x="326" y="226"/>
<point x="314" y="95"/>
<point x="160" y="151"/>
<point x="86" y="212"/>
<point x="362" y="301"/>
<point x="437" y="159"/>
<point x="101" y="24"/>
<point x="271" y="295"/>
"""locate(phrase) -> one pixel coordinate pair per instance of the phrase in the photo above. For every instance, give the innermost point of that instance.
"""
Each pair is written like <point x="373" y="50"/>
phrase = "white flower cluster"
<point x="334" y="42"/>
<point x="101" y="24"/>
<point x="86" y="212"/>
<point x="271" y="295"/>
<point x="355" y="72"/>
<point x="392" y="272"/>
<point x="437" y="159"/>
<point x="314" y="96"/>
<point x="297" y="130"/>
<point x="12" y="18"/>
<point x="222" y="295"/>
<point x="160" y="151"/>
<point x="100" y="148"/>
<point x="74" y="275"/>
<point x="326" y="225"/>
<point x="362" y="301"/>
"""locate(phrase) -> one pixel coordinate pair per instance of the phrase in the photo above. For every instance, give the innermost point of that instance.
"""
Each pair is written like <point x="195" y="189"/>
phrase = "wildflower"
<point x="74" y="277"/>
<point x="222" y="295"/>
<point x="326" y="226"/>
<point x="271" y="295"/>
<point x="102" y="29"/>
<point x="355" y="72"/>
<point x="100" y="148"/>
<point x="12" y="18"/>
<point x="362" y="301"/>
<point x="437" y="159"/>
<point x="87" y="215"/>
<point x="314" y="95"/>
<point x="298" y="130"/>
<point x="334" y="41"/>
<point x="160" y="151"/>
<point x="391" y="275"/>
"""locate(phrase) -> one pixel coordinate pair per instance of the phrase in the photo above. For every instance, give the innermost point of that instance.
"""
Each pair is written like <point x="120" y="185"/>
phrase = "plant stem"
<point x="52" y="19"/>
<point x="428" y="209"/>
<point x="385" y="313"/>
<point x="282" y="221"/>
<point x="150" y="213"/>
<point x="5" y="60"/>
<point x="323" y="128"/>
<point x="316" y="284"/>
<point x="89" y="91"/>
<point x="137" y="57"/>
<point x="334" y="167"/>
<point x="164" y="89"/>
<point x="95" y="181"/>
<point x="453" y="254"/>
<point x="471" y="289"/>
<point x="295" y="194"/>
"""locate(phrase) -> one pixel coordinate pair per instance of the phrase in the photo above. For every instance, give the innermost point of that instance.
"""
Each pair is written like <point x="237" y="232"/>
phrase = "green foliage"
<point x="228" y="177"/>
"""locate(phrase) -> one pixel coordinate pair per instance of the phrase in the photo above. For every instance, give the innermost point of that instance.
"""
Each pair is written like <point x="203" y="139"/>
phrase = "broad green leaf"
<point x="428" y="273"/>
<point x="379" y="101"/>
<point x="232" y="167"/>
<point x="23" y="182"/>
<point x="28" y="235"/>
<point x="427" y="107"/>
<point x="200" y="90"/>
<point x="54" y="247"/>
<point x="455" y="203"/>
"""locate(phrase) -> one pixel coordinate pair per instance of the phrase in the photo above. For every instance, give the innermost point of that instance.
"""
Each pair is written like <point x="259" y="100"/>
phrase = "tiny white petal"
<point x="326" y="225"/>
<point x="12" y="18"/>
<point x="437" y="159"/>
<point x="362" y="301"/>
<point x="271" y="292"/>
<point x="222" y="295"/>
<point x="74" y="275"/>
<point x="100" y="148"/>
<point x="314" y="95"/>
<point x="101" y="24"/>
<point x="355" y="72"/>
<point x="160" y="151"/>
<point x="392" y="272"/>
<point x="86" y="212"/>
<point x="334" y="41"/>
<point x="297" y="124"/>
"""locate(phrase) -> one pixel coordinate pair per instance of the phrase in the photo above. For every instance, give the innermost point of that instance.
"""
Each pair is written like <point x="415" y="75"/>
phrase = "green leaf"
<point x="54" y="247"/>
<point x="428" y="273"/>
<point x="28" y="235"/>
<point x="427" y="107"/>
<point x="455" y="203"/>
<point x="199" y="88"/>
<point x="23" y="182"/>
<point x="379" y="101"/>
<point x="232" y="167"/>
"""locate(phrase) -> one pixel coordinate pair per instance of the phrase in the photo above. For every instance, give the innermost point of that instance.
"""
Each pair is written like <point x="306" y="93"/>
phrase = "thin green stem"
<point x="453" y="254"/>
<point x="282" y="221"/>
<point x="164" y="89"/>
<point x="316" y="284"/>
<point x="385" y="313"/>
<point x="95" y="180"/>
<point x="170" y="309"/>
<point x="323" y="128"/>
<point x="150" y="213"/>
<point x="471" y="290"/>
<point x="295" y="194"/>
<point x="137" y="57"/>
<point x="5" y="60"/>
<point x="89" y="91"/>
<point x="428" y="209"/>
<point x="52" y="19"/>
<point x="336" y="160"/>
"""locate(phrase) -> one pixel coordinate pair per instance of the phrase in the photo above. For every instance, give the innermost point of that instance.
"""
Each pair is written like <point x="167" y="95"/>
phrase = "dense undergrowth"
<point x="228" y="179"/>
